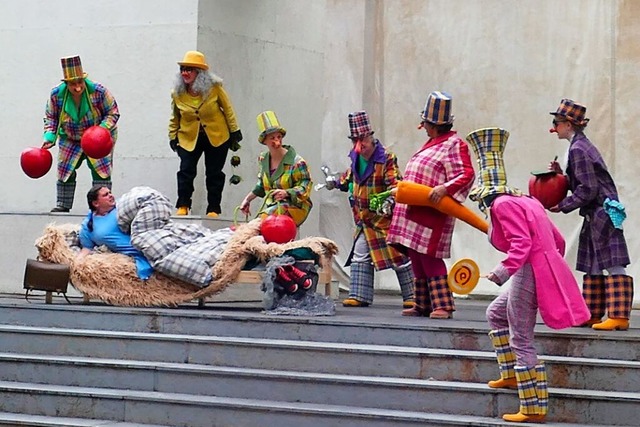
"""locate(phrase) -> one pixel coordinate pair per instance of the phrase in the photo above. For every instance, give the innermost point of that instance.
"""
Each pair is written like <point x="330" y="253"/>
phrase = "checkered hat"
<point x="488" y="144"/>
<point x="437" y="109"/>
<point x="268" y="123"/>
<point x="359" y="124"/>
<point x="72" y="68"/>
<point x="571" y="111"/>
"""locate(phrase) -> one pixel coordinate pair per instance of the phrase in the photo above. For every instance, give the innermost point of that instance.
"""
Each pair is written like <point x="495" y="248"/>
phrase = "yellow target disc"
<point x="463" y="276"/>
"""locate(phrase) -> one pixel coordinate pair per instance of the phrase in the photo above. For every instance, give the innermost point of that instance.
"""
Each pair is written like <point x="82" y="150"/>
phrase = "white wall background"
<point x="129" y="46"/>
<point x="505" y="63"/>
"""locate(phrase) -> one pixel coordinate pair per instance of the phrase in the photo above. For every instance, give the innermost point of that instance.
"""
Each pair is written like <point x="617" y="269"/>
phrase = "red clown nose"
<point x="553" y="130"/>
<point x="358" y="147"/>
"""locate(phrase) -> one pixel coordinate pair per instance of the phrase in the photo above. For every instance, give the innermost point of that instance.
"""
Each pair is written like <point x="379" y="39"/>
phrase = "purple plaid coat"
<point x="64" y="123"/>
<point x="590" y="184"/>
<point x="382" y="174"/>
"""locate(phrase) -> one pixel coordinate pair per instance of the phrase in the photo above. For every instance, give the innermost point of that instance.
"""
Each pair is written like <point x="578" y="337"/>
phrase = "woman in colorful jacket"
<point x="74" y="106"/>
<point x="283" y="181"/>
<point x="540" y="278"/>
<point x="442" y="163"/>
<point x="202" y="121"/>
<point x="373" y="170"/>
<point x="602" y="245"/>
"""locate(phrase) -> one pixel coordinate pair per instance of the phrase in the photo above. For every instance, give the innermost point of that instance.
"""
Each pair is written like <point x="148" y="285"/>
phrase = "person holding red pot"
<point x="602" y="246"/>
<point x="284" y="180"/>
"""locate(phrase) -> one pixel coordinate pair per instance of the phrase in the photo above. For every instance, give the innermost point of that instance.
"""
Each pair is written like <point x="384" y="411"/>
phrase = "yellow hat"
<point x="72" y="68"/>
<point x="488" y="144"/>
<point x="194" y="59"/>
<point x="268" y="123"/>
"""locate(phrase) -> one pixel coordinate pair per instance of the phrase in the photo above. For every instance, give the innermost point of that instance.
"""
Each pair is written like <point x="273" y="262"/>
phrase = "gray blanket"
<point x="184" y="251"/>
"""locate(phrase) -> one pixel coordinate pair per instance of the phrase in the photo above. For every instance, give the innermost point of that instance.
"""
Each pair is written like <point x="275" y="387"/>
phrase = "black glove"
<point x="173" y="144"/>
<point x="235" y="139"/>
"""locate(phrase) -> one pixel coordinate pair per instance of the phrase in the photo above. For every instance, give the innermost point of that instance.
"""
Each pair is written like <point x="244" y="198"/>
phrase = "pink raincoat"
<point x="521" y="228"/>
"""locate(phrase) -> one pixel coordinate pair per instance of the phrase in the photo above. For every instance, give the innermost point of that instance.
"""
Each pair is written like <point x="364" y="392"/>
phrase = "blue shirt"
<point x="106" y="232"/>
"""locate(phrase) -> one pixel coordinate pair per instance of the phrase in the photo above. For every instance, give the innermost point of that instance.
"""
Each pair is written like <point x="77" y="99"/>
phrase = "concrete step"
<point x="178" y="409"/>
<point x="405" y="394"/>
<point x="308" y="356"/>
<point x="12" y="419"/>
<point x="352" y="327"/>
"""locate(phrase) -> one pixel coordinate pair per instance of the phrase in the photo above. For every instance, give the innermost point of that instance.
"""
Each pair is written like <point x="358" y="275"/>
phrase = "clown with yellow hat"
<point x="203" y="122"/>
<point x="284" y="181"/>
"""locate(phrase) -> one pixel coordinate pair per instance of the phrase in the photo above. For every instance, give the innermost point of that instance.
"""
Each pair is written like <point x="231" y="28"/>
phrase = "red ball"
<point x="549" y="188"/>
<point x="96" y="142"/>
<point x="36" y="162"/>
<point x="278" y="229"/>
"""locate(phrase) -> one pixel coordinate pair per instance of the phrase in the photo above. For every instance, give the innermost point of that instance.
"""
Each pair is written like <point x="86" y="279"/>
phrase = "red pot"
<point x="96" y="142"/>
<point x="36" y="162"/>
<point x="278" y="229"/>
<point x="549" y="188"/>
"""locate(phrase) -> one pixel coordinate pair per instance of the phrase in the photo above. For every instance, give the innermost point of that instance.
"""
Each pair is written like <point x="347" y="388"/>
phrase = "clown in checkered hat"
<point x="373" y="170"/>
<point x="602" y="249"/>
<point x="442" y="162"/>
<point x="540" y="278"/>
<point x="74" y="106"/>
<point x="488" y="145"/>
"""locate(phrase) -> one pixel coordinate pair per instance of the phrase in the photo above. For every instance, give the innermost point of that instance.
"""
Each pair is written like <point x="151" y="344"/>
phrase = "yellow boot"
<point x="511" y="383"/>
<point x="529" y="393"/>
<point x="524" y="418"/>
<point x="589" y="323"/>
<point x="182" y="210"/>
<point x="619" y="295"/>
<point x="408" y="303"/>
<point x="612" y="325"/>
<point x="352" y="302"/>
<point x="506" y="360"/>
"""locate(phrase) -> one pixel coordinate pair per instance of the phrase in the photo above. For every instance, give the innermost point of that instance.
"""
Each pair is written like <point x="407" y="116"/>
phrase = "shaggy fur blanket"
<point x="112" y="278"/>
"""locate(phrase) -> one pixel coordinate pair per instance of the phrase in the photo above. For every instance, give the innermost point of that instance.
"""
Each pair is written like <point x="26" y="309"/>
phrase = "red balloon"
<point x="36" y="162"/>
<point x="96" y="142"/>
<point x="549" y="188"/>
<point x="278" y="229"/>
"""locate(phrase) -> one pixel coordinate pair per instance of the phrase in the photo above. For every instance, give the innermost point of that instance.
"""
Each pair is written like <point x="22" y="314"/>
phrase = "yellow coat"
<point x="215" y="114"/>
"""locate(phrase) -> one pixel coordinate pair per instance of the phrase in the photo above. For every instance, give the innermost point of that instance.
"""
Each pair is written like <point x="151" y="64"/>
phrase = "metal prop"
<point x="330" y="179"/>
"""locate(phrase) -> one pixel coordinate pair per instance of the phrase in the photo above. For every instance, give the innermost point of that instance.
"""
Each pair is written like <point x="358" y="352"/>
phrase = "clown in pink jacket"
<point x="540" y="278"/>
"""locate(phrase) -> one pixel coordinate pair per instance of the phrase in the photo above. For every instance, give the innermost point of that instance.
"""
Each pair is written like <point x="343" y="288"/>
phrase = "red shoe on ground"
<point x="298" y="276"/>
<point x="286" y="280"/>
